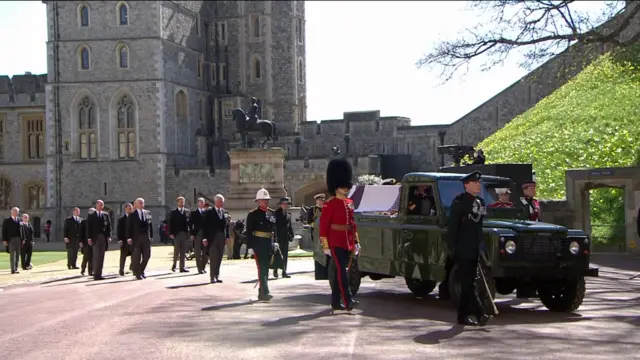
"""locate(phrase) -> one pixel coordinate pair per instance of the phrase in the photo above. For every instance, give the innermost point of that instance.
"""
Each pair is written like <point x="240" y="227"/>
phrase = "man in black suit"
<point x="87" y="251"/>
<point x="27" y="243"/>
<point x="179" y="226"/>
<point x="216" y="235"/>
<point x="140" y="236"/>
<point x="99" y="235"/>
<point x="125" y="249"/>
<point x="72" y="237"/>
<point x="11" y="238"/>
<point x="197" y="234"/>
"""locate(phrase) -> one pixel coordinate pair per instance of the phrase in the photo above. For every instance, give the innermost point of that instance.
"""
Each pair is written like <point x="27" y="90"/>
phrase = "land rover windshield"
<point x="449" y="189"/>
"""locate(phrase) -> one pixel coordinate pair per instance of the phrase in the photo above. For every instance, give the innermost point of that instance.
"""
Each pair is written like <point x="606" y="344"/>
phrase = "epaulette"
<point x="270" y="209"/>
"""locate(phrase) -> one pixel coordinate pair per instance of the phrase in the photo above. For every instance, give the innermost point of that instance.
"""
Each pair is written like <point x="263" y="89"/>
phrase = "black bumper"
<point x="546" y="272"/>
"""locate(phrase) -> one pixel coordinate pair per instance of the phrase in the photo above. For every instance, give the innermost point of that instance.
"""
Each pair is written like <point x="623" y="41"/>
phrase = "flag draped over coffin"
<point x="375" y="198"/>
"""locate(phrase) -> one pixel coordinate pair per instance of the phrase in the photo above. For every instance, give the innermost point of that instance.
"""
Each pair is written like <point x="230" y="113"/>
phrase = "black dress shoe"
<point x="466" y="321"/>
<point x="337" y="307"/>
<point x="275" y="274"/>
<point x="483" y="319"/>
<point x="98" y="278"/>
<point x="81" y="273"/>
<point x="285" y="275"/>
<point x="204" y="271"/>
<point x="173" y="269"/>
<point x="213" y="281"/>
<point x="218" y="280"/>
<point x="138" y="277"/>
<point x="143" y="276"/>
<point x="121" y="273"/>
<point x="75" y="267"/>
<point x="354" y="303"/>
<point x="265" y="297"/>
<point x="15" y="272"/>
<point x="184" y="270"/>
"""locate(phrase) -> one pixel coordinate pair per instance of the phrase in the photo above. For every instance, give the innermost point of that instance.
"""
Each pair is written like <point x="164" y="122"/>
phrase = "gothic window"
<point x="257" y="69"/>
<point x="123" y="14"/>
<point x="35" y="196"/>
<point x="223" y="73"/>
<point x="201" y="109"/>
<point x="213" y="73"/>
<point x="84" y="15"/>
<point x="34" y="138"/>
<point x="123" y="56"/>
<point x="200" y="66"/>
<point x="198" y="25"/>
<point x="222" y="33"/>
<point x="181" y="105"/>
<point x="299" y="30"/>
<point x="85" y="58"/>
<point x="256" y="27"/>
<point x="5" y="193"/>
<point x="300" y="71"/>
<point x="87" y="129"/>
<point x="2" y="130"/>
<point x="126" y="131"/>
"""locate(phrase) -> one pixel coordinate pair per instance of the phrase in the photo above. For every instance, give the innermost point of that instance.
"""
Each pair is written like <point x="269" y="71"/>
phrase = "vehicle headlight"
<point x="574" y="247"/>
<point x="510" y="247"/>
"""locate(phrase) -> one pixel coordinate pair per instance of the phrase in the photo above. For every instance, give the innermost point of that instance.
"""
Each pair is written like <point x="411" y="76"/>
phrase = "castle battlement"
<point x="22" y="90"/>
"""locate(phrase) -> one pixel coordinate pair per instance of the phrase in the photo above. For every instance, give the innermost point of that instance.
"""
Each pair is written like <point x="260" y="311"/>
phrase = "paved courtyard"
<point x="182" y="316"/>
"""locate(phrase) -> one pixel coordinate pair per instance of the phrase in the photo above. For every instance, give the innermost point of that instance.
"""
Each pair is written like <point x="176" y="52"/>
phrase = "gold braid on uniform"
<point x="325" y="243"/>
<point x="357" y="238"/>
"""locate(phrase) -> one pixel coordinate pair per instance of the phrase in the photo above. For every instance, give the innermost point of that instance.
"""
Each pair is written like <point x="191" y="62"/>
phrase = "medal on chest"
<point x="477" y="211"/>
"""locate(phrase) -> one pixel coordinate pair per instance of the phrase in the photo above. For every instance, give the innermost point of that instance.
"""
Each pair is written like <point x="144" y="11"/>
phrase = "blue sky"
<point x="360" y="56"/>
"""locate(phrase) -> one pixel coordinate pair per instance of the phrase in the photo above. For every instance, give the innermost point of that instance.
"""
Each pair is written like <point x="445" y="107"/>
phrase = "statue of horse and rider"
<point x="250" y="123"/>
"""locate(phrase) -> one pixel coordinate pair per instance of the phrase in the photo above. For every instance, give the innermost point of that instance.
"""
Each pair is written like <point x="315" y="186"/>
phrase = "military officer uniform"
<point x="501" y="204"/>
<point x="531" y="205"/>
<point x="73" y="232"/>
<point x="261" y="228"/>
<point x="338" y="232"/>
<point x="464" y="236"/>
<point x="284" y="235"/>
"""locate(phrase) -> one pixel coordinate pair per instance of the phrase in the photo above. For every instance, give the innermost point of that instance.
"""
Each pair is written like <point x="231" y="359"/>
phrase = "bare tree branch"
<point x="538" y="29"/>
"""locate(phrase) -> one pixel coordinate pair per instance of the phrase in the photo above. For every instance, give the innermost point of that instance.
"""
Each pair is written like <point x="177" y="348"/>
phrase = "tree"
<point x="539" y="30"/>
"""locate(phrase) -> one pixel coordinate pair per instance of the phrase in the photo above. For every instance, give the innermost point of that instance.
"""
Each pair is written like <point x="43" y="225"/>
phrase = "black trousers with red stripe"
<point x="340" y="290"/>
<point x="262" y="249"/>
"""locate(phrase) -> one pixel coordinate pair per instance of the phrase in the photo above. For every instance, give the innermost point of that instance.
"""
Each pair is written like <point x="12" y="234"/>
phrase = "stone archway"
<point x="304" y="195"/>
<point x="579" y="182"/>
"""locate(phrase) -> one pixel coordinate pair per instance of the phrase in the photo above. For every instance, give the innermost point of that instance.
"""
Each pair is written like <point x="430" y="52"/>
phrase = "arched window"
<point x="123" y="56"/>
<point x="181" y="105"/>
<point x="35" y="196"/>
<point x="85" y="58"/>
<point x="5" y="193"/>
<point x="84" y="15"/>
<point x="87" y="129"/>
<point x="257" y="69"/>
<point x="256" y="27"/>
<point x="126" y="131"/>
<point x="300" y="71"/>
<point x="123" y="14"/>
<point x="200" y="65"/>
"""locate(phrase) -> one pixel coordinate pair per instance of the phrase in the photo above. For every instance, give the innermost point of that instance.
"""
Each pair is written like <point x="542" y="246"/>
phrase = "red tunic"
<point x="337" y="225"/>
<point x="533" y="208"/>
<point x="499" y="204"/>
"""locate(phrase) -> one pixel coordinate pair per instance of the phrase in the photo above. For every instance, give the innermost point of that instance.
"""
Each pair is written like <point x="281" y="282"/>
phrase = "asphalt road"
<point x="182" y="316"/>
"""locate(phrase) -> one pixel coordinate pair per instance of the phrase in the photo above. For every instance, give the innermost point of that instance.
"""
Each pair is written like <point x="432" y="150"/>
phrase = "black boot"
<point x="466" y="321"/>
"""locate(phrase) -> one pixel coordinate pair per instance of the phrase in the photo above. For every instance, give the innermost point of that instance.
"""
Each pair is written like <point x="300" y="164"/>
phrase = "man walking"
<point x="11" y="238"/>
<point x="139" y="236"/>
<point x="99" y="235"/>
<point x="179" y="224"/>
<point x="284" y="235"/>
<point x="72" y="237"/>
<point x="261" y="227"/>
<point x="87" y="251"/>
<point x="125" y="249"/>
<point x="27" y="243"/>
<point x="216" y="235"/>
<point x="197" y="234"/>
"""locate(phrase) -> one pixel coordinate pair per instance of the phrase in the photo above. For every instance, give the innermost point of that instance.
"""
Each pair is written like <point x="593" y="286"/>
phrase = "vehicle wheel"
<point x="506" y="286"/>
<point x="355" y="279"/>
<point x="485" y="299"/>
<point x="564" y="295"/>
<point x="420" y="287"/>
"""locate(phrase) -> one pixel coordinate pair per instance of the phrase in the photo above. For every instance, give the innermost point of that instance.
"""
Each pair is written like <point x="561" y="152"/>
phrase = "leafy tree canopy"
<point x="537" y="30"/>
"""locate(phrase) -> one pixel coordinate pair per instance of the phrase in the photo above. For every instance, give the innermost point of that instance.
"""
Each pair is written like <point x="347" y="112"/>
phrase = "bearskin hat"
<point x="339" y="174"/>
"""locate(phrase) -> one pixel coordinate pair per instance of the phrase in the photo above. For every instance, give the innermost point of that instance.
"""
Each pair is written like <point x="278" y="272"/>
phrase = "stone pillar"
<point x="252" y="169"/>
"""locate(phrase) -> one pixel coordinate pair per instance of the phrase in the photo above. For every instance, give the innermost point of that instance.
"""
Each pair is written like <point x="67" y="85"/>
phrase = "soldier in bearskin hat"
<point x="338" y="233"/>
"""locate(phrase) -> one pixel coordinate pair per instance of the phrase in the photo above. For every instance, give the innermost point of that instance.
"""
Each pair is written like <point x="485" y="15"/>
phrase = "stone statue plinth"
<point x="252" y="169"/>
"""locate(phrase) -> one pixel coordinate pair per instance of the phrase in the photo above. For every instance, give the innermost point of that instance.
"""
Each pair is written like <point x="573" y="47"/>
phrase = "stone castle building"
<point x="138" y="97"/>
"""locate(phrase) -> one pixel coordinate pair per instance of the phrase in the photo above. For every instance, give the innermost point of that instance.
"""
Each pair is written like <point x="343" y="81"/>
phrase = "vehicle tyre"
<point x="420" y="287"/>
<point x="563" y="295"/>
<point x="485" y="298"/>
<point x="506" y="286"/>
<point x="355" y="279"/>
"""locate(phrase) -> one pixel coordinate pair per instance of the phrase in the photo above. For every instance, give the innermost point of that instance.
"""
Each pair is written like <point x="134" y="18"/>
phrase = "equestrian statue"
<point x="250" y="123"/>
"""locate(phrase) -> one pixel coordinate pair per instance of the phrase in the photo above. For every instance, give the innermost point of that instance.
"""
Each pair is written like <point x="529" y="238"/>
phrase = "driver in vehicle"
<point x="421" y="201"/>
<point x="503" y="199"/>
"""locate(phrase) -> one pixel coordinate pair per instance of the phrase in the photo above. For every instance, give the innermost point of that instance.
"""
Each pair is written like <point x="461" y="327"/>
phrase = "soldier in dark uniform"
<point x="72" y="234"/>
<point x="261" y="228"/>
<point x="316" y="210"/>
<point x="125" y="249"/>
<point x="27" y="243"/>
<point x="421" y="201"/>
<point x="338" y="232"/>
<point x="99" y="236"/>
<point x="284" y="234"/>
<point x="87" y="251"/>
<point x="529" y="201"/>
<point x="253" y="112"/>
<point x="464" y="236"/>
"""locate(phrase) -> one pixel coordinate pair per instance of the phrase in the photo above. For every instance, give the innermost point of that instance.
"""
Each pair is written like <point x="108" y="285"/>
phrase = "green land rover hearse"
<point x="535" y="257"/>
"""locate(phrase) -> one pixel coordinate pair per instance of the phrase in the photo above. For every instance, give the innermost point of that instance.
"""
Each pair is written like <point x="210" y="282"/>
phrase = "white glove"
<point x="276" y="246"/>
<point x="327" y="252"/>
<point x="357" y="250"/>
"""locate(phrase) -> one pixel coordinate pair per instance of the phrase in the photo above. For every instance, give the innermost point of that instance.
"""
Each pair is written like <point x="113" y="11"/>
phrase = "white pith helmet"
<point x="262" y="194"/>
